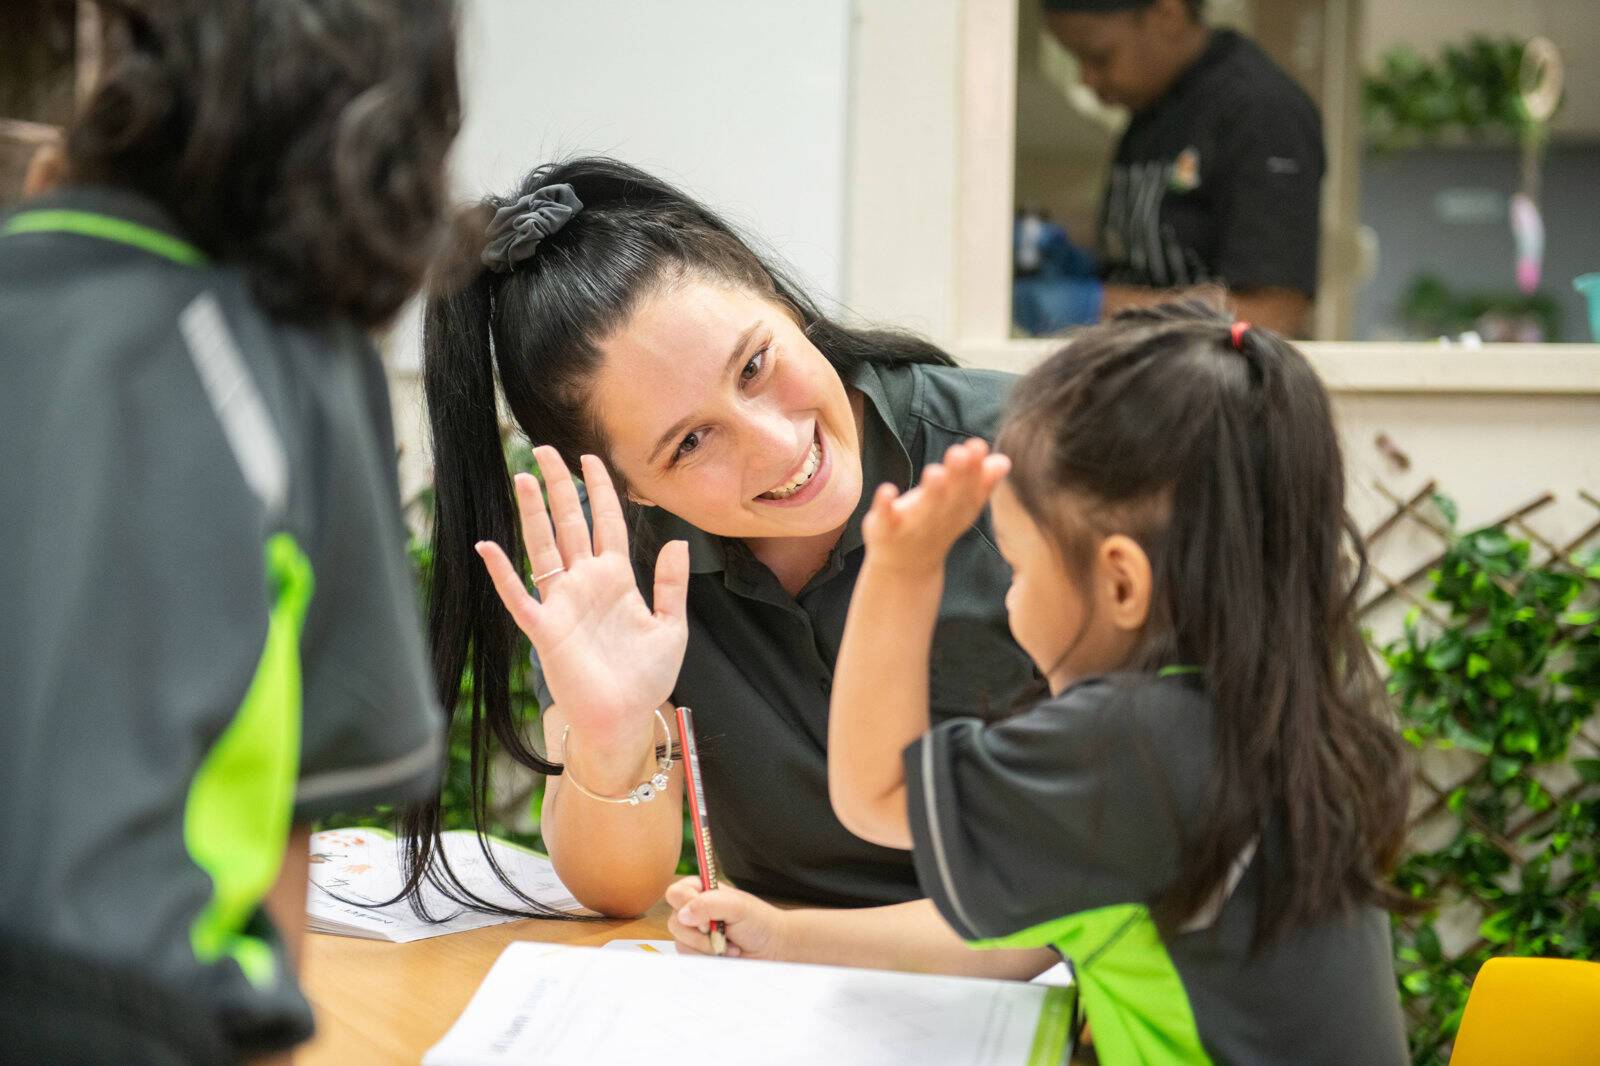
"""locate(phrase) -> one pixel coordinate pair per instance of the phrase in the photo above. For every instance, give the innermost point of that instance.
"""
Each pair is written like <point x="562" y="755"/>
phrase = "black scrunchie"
<point x="518" y="228"/>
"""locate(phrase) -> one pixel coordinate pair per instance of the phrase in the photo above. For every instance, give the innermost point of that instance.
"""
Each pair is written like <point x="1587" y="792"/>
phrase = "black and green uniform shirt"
<point x="1058" y="827"/>
<point x="209" y="625"/>
<point x="758" y="671"/>
<point x="1219" y="181"/>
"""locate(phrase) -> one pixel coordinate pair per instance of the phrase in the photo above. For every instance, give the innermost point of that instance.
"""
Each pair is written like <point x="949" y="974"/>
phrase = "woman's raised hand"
<point x="913" y="531"/>
<point x="608" y="658"/>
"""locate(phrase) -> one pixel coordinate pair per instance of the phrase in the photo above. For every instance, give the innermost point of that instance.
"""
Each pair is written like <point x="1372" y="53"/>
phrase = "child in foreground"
<point x="210" y="637"/>
<point x="1202" y="812"/>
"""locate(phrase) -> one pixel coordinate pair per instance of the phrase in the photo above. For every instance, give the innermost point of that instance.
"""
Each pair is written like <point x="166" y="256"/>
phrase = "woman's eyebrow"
<point x="682" y="424"/>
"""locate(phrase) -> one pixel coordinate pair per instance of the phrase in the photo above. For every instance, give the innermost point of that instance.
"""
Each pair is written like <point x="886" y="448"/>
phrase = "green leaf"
<point x="1497" y="928"/>
<point x="1428" y="944"/>
<point x="1588" y="769"/>
<point x="1524" y="739"/>
<point x="1446" y="653"/>
<point x="1458" y="735"/>
<point x="1502" y="769"/>
<point x="1493" y="542"/>
<point x="1447" y="508"/>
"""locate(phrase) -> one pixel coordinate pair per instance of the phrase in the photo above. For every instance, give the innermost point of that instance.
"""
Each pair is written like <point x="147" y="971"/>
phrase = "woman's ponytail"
<point x="471" y="635"/>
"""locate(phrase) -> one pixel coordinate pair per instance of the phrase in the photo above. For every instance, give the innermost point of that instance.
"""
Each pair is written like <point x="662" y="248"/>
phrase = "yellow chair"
<point x="1531" y="1012"/>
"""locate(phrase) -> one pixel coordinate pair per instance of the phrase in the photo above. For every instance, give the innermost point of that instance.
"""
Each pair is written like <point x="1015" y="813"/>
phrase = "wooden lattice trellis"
<point x="1436" y="780"/>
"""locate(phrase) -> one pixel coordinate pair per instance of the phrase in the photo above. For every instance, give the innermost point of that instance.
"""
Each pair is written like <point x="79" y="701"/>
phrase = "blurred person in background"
<point x="1217" y="179"/>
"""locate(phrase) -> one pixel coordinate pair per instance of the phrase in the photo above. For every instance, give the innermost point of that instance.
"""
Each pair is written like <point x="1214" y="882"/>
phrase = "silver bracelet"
<point x="644" y="791"/>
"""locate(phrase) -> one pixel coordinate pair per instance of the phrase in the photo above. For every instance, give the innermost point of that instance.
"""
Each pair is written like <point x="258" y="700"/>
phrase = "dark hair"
<point x="1197" y="8"/>
<point x="537" y="329"/>
<point x="1224" y="465"/>
<point x="304" y="140"/>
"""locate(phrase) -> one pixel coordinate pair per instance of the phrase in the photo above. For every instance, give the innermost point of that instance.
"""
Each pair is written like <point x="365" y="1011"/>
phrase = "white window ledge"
<point x="1378" y="367"/>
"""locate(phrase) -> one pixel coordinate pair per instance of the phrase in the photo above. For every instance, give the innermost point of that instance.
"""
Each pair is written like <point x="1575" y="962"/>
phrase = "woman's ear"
<point x="1126" y="580"/>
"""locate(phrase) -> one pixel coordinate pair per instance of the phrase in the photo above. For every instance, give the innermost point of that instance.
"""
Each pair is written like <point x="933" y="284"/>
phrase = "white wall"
<point x="903" y="162"/>
<point x="744" y="104"/>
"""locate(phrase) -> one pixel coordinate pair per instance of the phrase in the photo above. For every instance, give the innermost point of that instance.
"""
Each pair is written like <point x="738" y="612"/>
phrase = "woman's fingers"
<point x="572" y="532"/>
<point x="672" y="580"/>
<point x="610" y="528"/>
<point x="508" y="584"/>
<point x="537" y="537"/>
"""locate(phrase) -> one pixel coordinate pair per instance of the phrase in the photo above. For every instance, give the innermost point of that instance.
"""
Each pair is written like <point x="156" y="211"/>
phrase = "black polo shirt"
<point x="1219" y="181"/>
<point x="1059" y="826"/>
<point x="759" y="667"/>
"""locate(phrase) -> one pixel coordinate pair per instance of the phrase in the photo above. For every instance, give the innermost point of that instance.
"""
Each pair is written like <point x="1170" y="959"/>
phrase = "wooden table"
<point x="380" y="1003"/>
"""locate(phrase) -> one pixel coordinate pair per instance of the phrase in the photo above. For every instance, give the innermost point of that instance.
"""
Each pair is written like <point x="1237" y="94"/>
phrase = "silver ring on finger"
<point x="548" y="574"/>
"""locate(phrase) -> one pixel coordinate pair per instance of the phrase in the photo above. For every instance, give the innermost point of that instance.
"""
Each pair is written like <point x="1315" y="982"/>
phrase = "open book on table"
<point x="355" y="870"/>
<point x="555" y="1003"/>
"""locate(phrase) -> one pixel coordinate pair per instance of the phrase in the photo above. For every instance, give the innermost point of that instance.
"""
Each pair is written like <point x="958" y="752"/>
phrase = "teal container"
<point x="1589" y="285"/>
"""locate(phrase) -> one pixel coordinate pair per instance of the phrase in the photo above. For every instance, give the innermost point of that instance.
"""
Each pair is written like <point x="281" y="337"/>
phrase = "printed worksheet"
<point x="353" y="871"/>
<point x="554" y="1003"/>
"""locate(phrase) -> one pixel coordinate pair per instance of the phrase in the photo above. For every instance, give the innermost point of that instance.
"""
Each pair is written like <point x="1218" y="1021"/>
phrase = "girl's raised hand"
<point x="609" y="659"/>
<point x="913" y="532"/>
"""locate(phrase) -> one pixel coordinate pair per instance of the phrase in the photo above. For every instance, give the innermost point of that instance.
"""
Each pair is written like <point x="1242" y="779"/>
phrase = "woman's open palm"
<point x="608" y="658"/>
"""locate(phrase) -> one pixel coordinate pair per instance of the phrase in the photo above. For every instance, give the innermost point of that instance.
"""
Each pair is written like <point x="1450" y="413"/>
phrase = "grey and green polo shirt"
<point x="758" y="671"/>
<point x="1058" y="827"/>
<point x="209" y="627"/>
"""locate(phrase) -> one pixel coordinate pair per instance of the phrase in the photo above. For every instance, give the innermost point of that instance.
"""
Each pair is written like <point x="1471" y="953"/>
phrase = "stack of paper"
<point x="355" y="870"/>
<point x="553" y="1003"/>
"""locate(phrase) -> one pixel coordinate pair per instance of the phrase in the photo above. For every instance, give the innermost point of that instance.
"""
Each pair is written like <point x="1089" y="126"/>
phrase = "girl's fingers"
<point x="691" y="940"/>
<point x="610" y="528"/>
<point x="995" y="467"/>
<point x="508" y="584"/>
<point x="572" y="532"/>
<point x="682" y="891"/>
<point x="537" y="537"/>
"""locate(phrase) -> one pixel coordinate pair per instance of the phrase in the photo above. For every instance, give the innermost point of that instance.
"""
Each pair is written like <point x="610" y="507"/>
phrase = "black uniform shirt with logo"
<point x="1219" y="181"/>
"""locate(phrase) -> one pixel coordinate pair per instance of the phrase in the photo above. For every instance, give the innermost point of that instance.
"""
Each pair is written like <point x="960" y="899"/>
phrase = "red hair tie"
<point x="1240" y="328"/>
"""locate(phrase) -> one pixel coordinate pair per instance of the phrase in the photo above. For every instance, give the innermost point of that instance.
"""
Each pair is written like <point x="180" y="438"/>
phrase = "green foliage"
<point x="1430" y="308"/>
<point x="1471" y="89"/>
<point x="1511" y="676"/>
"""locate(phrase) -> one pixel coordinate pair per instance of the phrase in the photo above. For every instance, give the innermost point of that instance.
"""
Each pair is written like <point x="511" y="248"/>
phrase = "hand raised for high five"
<point x="913" y="531"/>
<point x="608" y="658"/>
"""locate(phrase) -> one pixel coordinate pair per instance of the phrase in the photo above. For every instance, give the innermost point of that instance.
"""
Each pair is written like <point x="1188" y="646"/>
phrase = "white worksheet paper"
<point x="363" y="867"/>
<point x="551" y="1003"/>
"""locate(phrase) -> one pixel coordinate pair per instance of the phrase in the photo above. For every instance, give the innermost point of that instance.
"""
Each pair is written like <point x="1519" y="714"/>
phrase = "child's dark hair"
<point x="537" y="329"/>
<point x="1223" y="463"/>
<point x="303" y="140"/>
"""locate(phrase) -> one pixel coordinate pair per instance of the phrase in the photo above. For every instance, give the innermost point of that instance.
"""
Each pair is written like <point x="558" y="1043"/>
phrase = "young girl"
<point x="1201" y="813"/>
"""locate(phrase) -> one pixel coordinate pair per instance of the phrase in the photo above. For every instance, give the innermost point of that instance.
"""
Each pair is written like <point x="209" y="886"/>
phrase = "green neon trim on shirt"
<point x="1178" y="671"/>
<point x="107" y="228"/>
<point x="1134" y="999"/>
<point x="236" y="819"/>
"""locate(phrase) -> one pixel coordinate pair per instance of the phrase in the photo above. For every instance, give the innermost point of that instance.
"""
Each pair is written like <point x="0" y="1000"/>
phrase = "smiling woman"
<point x="724" y="428"/>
